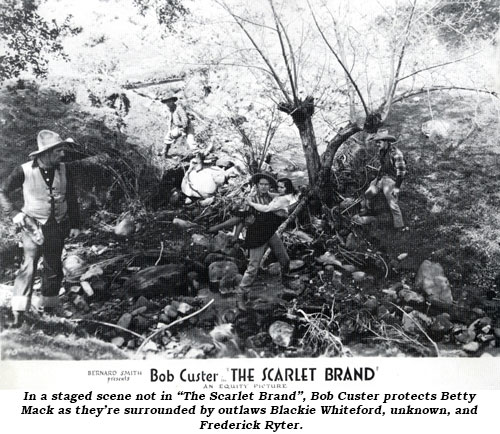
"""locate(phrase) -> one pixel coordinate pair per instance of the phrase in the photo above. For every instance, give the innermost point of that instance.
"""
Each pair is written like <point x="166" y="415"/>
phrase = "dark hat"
<point x="47" y="140"/>
<point x="258" y="176"/>
<point x="384" y="136"/>
<point x="169" y="99"/>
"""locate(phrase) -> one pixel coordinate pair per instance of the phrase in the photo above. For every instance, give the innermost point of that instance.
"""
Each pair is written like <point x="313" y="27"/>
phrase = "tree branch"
<point x="261" y="53"/>
<point x="278" y="24"/>
<point x="436" y="66"/>
<point x="338" y="60"/>
<point x="394" y="82"/>
<point x="411" y="93"/>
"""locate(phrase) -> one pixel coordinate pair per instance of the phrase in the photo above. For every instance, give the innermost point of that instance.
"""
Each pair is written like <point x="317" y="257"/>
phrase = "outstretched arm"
<point x="278" y="203"/>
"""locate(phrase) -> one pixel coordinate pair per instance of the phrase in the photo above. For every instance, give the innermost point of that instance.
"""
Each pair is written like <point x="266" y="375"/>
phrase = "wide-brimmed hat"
<point x="168" y="98"/>
<point x="384" y="136"/>
<point x="47" y="140"/>
<point x="258" y="176"/>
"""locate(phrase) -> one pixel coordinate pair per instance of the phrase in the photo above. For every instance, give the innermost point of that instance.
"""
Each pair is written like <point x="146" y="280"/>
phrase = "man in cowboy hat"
<point x="49" y="214"/>
<point x="389" y="178"/>
<point x="261" y="232"/>
<point x="178" y="123"/>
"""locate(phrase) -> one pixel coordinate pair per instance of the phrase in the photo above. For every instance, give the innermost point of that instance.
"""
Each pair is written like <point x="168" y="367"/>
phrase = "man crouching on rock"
<point x="49" y="214"/>
<point x="261" y="233"/>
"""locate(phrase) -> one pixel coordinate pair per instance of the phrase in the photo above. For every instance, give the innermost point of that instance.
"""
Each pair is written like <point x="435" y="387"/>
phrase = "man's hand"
<point x="395" y="193"/>
<point x="18" y="220"/>
<point x="74" y="233"/>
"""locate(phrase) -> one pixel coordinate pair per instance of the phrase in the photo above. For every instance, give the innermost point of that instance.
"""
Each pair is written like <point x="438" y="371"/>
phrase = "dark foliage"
<point x="168" y="12"/>
<point x="468" y="19"/>
<point x="28" y="38"/>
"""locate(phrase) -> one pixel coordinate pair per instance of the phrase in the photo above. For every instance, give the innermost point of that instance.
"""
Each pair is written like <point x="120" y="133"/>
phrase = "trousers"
<point x="52" y="274"/>
<point x="256" y="254"/>
<point x="386" y="184"/>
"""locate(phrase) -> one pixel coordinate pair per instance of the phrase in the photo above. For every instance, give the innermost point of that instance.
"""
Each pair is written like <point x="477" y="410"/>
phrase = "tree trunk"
<point x="329" y="154"/>
<point x="308" y="139"/>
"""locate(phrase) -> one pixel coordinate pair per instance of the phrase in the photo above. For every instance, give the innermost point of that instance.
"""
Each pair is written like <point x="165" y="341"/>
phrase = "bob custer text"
<point x="268" y="374"/>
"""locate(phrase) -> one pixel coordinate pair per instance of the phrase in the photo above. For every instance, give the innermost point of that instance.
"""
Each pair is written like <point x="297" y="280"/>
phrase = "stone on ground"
<point x="432" y="281"/>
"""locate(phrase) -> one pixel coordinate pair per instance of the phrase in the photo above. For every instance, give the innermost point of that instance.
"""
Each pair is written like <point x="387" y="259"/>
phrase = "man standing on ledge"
<point x="49" y="214"/>
<point x="389" y="178"/>
<point x="179" y="125"/>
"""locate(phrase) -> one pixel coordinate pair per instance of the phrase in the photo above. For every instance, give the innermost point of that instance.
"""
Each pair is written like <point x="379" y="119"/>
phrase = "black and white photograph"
<point x="234" y="179"/>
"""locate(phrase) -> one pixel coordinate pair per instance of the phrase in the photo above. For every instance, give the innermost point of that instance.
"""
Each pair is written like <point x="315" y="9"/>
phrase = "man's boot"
<point x="18" y="319"/>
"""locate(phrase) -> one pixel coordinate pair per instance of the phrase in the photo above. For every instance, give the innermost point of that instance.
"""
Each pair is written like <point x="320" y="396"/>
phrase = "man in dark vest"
<point x="261" y="233"/>
<point x="49" y="214"/>
<point x="389" y="178"/>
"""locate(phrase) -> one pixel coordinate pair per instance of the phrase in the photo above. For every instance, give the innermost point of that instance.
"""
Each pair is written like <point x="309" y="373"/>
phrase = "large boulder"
<point x="432" y="281"/>
<point x="436" y="128"/>
<point x="202" y="183"/>
<point x="170" y="279"/>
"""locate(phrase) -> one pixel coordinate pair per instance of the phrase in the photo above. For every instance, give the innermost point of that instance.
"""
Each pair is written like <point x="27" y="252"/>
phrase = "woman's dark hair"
<point x="289" y="188"/>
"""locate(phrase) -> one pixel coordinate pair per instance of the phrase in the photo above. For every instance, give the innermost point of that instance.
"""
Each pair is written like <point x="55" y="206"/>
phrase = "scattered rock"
<point x="206" y="202"/>
<point x="169" y="279"/>
<point x="440" y="326"/>
<point x="125" y="320"/>
<point x="413" y="318"/>
<point x="150" y="346"/>
<point x="195" y="353"/>
<point x="200" y="240"/>
<point x="214" y="257"/>
<point x="297" y="286"/>
<point x="93" y="271"/>
<point x="302" y="236"/>
<point x="281" y="333"/>
<point x="171" y="312"/>
<point x="81" y="304"/>
<point x="87" y="288"/>
<point x="184" y="223"/>
<point x="371" y="305"/>
<point x="349" y="268"/>
<point x="410" y="296"/>
<point x="73" y="266"/>
<point x="125" y="227"/>
<point x="352" y="243"/>
<point x="219" y="242"/>
<point x="222" y="270"/>
<point x="391" y="294"/>
<point x="359" y="276"/>
<point x="230" y="283"/>
<point x="296" y="264"/>
<point x="328" y="258"/>
<point x="139" y="310"/>
<point x="471" y="347"/>
<point x="347" y="202"/>
<point x="436" y="128"/>
<point x="452" y="353"/>
<point x="194" y="281"/>
<point x="183" y="308"/>
<point x="364" y="220"/>
<point x="118" y="341"/>
<point x="140" y="302"/>
<point x="402" y="256"/>
<point x="142" y="323"/>
<point x="432" y="281"/>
